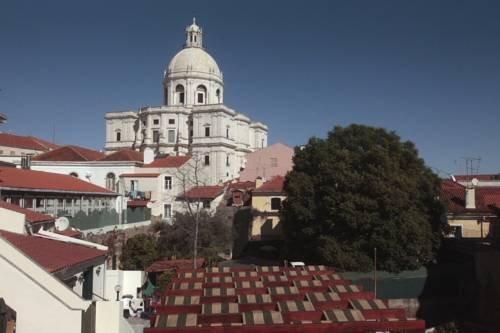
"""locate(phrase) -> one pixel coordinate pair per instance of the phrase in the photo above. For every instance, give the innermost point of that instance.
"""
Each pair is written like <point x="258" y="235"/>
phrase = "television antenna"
<point x="472" y="165"/>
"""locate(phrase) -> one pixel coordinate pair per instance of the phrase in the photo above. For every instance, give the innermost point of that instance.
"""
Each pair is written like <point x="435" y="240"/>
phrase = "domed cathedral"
<point x="193" y="118"/>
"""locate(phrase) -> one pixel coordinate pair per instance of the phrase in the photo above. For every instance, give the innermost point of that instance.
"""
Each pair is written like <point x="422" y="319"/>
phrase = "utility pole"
<point x="375" y="271"/>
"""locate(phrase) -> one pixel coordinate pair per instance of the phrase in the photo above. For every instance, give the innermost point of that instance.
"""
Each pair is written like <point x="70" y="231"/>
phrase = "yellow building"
<point x="472" y="211"/>
<point x="266" y="204"/>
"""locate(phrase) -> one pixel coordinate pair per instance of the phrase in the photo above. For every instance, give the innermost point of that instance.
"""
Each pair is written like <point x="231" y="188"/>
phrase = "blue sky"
<point x="430" y="70"/>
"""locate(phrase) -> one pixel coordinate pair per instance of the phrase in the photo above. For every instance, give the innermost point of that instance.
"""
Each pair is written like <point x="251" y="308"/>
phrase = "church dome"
<point x="194" y="60"/>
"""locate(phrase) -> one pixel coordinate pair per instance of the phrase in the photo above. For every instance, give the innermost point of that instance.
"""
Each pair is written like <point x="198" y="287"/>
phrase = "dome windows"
<point x="179" y="94"/>
<point x="218" y="96"/>
<point x="118" y="135"/>
<point x="201" y="94"/>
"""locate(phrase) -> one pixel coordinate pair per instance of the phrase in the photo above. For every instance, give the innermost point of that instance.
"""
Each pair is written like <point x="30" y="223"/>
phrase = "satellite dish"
<point x="149" y="205"/>
<point x="62" y="223"/>
<point x="474" y="181"/>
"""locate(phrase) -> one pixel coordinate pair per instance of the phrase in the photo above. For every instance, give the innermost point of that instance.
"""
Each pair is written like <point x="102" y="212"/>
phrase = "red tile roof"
<point x="69" y="154"/>
<point x="453" y="194"/>
<point x="163" y="265"/>
<point x="140" y="175"/>
<point x="70" y="232"/>
<point x="30" y="216"/>
<point x="204" y="192"/>
<point x="124" y="155"/>
<point x="52" y="182"/>
<point x="25" y="142"/>
<point x="464" y="178"/>
<point x="248" y="185"/>
<point x="137" y="203"/>
<point x="275" y="185"/>
<point x="51" y="254"/>
<point x="168" y="162"/>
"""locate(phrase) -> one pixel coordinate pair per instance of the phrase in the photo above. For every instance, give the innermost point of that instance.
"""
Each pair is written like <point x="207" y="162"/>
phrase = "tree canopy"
<point x="139" y="252"/>
<point x="361" y="188"/>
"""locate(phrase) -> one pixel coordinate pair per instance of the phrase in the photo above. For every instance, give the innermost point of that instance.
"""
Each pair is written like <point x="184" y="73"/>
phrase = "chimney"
<point x="258" y="182"/>
<point x="470" y="197"/>
<point x="149" y="155"/>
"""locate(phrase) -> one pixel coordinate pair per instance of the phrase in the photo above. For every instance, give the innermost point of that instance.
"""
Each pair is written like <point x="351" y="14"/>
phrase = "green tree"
<point x="139" y="252"/>
<point x="361" y="188"/>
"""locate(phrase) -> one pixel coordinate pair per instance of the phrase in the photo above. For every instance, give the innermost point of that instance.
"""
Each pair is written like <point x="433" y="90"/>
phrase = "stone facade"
<point x="193" y="118"/>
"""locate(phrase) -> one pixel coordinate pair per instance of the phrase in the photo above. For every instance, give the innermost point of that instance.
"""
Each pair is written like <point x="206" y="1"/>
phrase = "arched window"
<point x="110" y="181"/>
<point x="73" y="174"/>
<point x="217" y="94"/>
<point x="118" y="135"/>
<point x="179" y="94"/>
<point x="201" y="94"/>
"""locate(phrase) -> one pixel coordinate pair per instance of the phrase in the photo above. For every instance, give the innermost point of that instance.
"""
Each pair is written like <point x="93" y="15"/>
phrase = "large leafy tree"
<point x="361" y="188"/>
<point x="139" y="252"/>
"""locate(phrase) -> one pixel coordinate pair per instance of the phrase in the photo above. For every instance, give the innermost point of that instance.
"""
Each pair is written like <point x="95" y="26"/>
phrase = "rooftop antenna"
<point x="472" y="165"/>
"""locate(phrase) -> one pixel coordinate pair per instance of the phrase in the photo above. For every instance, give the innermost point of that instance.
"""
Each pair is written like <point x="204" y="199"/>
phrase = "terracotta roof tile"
<point x="51" y="254"/>
<point x="274" y="185"/>
<point x="30" y="216"/>
<point x="70" y="153"/>
<point x="168" y="162"/>
<point x="25" y="142"/>
<point x="491" y="177"/>
<point x="204" y="192"/>
<point x="140" y="175"/>
<point x="453" y="194"/>
<point x="124" y="155"/>
<point x="40" y="180"/>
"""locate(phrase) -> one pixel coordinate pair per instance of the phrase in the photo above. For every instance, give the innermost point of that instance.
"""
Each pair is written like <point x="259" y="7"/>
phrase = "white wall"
<point x="12" y="221"/>
<point x="128" y="280"/>
<point x="42" y="303"/>
<point x="107" y="310"/>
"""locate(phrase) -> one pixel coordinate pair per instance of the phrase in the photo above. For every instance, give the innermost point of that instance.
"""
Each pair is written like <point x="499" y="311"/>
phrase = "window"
<point x="207" y="131"/>
<point x="12" y="153"/>
<point x="156" y="121"/>
<point x="274" y="162"/>
<point x="171" y="121"/>
<point x="134" y="185"/>
<point x="275" y="203"/>
<point x="167" y="211"/>
<point x="227" y="160"/>
<point x="207" y="160"/>
<point x="191" y="133"/>
<point x="262" y="143"/>
<point x="110" y="181"/>
<point x="206" y="203"/>
<point x="156" y="136"/>
<point x="118" y="136"/>
<point x="168" y="183"/>
<point x="201" y="93"/>
<point x="217" y="94"/>
<point x="73" y="174"/>
<point x="171" y="136"/>
<point x="179" y="93"/>
<point x="227" y="132"/>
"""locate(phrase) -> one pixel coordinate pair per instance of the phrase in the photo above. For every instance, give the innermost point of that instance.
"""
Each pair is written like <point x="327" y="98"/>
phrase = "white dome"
<point x="194" y="59"/>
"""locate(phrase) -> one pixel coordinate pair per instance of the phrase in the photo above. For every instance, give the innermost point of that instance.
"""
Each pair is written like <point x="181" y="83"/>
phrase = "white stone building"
<point x="193" y="118"/>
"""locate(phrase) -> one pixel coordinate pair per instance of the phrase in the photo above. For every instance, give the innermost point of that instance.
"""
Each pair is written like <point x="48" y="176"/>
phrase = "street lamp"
<point x="117" y="289"/>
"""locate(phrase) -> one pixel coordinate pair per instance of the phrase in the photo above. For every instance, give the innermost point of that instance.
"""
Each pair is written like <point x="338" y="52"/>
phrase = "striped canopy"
<point x="219" y="308"/>
<point x="191" y="275"/>
<point x="322" y="297"/>
<point x="245" y="274"/>
<point x="327" y="277"/>
<point x="274" y="278"/>
<point x="248" y="284"/>
<point x="216" y="279"/>
<point x="297" y="273"/>
<point x="343" y="315"/>
<point x="182" y="300"/>
<point x="268" y="269"/>
<point x="282" y="290"/>
<point x="262" y="318"/>
<point x="254" y="299"/>
<point x="218" y="269"/>
<point x="307" y="283"/>
<point x="315" y="268"/>
<point x="293" y="306"/>
<point x="348" y="288"/>
<point x="187" y="285"/>
<point x="176" y="320"/>
<point x="219" y="292"/>
<point x="367" y="304"/>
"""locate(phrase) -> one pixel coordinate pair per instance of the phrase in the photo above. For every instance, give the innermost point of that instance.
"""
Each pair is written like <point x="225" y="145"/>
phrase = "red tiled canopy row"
<point x="309" y="299"/>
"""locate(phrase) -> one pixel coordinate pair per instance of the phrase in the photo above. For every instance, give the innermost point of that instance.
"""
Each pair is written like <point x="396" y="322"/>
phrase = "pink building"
<point x="275" y="160"/>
